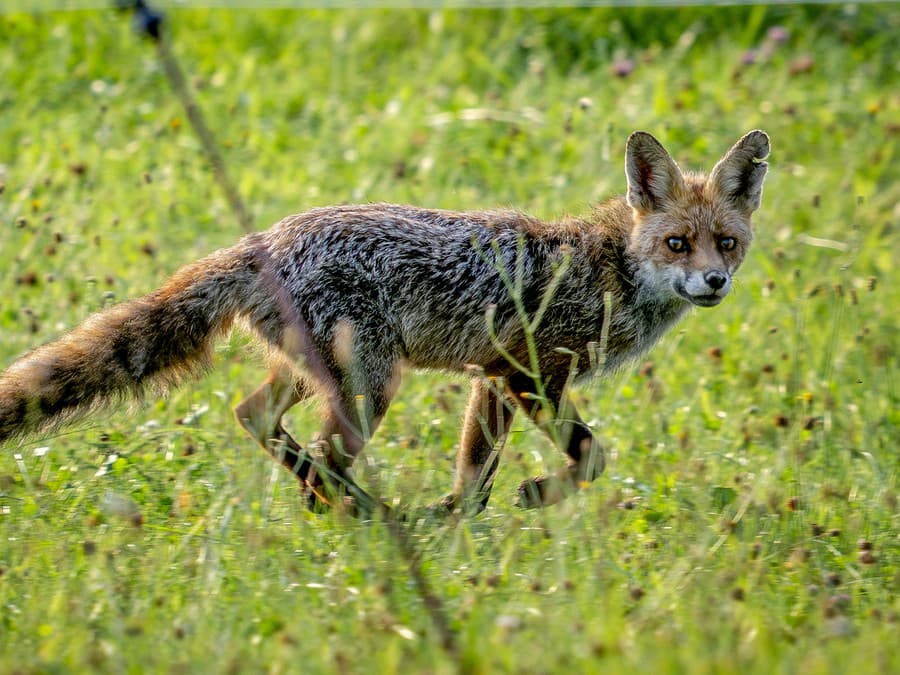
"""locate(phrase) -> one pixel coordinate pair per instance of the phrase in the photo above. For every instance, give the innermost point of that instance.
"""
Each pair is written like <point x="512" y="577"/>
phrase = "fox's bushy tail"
<point x="153" y="342"/>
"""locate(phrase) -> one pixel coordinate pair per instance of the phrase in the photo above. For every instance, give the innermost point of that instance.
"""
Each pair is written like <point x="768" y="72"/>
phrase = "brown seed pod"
<point x="837" y="604"/>
<point x="28" y="278"/>
<point x="755" y="550"/>
<point x="801" y="65"/>
<point x="867" y="557"/>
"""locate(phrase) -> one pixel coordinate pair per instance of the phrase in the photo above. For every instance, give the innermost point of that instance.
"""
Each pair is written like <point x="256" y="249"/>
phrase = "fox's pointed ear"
<point x="653" y="176"/>
<point x="739" y="175"/>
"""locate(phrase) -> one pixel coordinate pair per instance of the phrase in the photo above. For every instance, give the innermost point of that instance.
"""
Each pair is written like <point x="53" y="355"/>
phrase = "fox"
<point x="345" y="297"/>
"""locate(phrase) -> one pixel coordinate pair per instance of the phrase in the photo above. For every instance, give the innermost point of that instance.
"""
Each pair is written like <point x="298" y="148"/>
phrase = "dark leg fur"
<point x="488" y="418"/>
<point x="562" y="423"/>
<point x="489" y="415"/>
<point x="359" y="389"/>
<point x="260" y="415"/>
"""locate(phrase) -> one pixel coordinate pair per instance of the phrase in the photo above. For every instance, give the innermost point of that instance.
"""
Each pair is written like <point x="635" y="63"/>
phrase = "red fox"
<point x="345" y="295"/>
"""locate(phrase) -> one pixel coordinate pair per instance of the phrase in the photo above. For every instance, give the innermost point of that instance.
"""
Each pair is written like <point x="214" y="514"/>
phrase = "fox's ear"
<point x="653" y="176"/>
<point x="739" y="175"/>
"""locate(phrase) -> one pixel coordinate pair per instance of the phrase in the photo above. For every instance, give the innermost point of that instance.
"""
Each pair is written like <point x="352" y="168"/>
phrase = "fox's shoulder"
<point x="613" y="217"/>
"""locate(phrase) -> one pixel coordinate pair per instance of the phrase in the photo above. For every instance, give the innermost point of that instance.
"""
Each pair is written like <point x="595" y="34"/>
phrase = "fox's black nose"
<point x="715" y="279"/>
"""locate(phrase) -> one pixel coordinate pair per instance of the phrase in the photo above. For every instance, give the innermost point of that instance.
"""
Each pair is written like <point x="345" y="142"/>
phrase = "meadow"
<point x="747" y="520"/>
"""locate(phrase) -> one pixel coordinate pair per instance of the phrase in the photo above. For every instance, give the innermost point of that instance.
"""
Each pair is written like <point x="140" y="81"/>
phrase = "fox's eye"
<point x="677" y="244"/>
<point x="727" y="243"/>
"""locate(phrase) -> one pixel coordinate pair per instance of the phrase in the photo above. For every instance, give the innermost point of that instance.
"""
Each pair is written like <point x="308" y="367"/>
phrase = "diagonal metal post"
<point x="149" y="23"/>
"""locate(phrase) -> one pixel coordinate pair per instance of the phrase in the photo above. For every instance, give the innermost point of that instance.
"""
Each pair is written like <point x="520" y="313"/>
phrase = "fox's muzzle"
<point x="705" y="289"/>
<point x="715" y="279"/>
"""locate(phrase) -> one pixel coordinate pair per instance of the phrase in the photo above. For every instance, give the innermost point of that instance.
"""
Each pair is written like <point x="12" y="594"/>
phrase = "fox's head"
<point x="691" y="232"/>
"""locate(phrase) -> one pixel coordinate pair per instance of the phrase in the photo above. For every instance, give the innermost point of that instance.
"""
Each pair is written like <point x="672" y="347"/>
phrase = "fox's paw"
<point x="445" y="506"/>
<point x="542" y="491"/>
<point x="456" y="505"/>
<point x="315" y="500"/>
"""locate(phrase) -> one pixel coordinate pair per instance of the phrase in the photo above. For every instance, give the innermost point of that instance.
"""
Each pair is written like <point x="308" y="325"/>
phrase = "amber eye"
<point x="677" y="244"/>
<point x="727" y="243"/>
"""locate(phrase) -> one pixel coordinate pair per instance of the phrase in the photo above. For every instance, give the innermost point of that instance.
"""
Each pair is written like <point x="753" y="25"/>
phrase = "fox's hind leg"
<point x="363" y="377"/>
<point x="557" y="417"/>
<point x="260" y="415"/>
<point x="489" y="415"/>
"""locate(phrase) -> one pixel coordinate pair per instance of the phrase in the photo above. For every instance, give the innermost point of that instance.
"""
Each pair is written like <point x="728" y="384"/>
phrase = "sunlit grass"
<point x="752" y="461"/>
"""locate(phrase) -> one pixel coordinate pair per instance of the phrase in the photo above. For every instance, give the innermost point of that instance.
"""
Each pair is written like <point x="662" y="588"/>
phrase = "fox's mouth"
<point x="710" y="300"/>
<point x="707" y="300"/>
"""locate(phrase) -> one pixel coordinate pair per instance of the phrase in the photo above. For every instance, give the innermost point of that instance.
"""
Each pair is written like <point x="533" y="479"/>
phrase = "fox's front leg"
<point x="489" y="415"/>
<point x="557" y="417"/>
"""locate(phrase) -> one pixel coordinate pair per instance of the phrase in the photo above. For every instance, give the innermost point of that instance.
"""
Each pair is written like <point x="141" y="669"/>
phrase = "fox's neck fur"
<point x="651" y="310"/>
<point x="603" y="257"/>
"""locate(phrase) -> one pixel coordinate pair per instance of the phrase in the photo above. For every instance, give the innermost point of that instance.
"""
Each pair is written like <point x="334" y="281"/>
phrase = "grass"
<point x="750" y="459"/>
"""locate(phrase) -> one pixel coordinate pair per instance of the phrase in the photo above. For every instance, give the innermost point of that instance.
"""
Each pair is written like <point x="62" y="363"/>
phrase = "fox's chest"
<point x="633" y="331"/>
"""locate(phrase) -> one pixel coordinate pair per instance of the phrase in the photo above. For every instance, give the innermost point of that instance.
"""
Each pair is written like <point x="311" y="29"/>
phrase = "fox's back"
<point x="420" y="279"/>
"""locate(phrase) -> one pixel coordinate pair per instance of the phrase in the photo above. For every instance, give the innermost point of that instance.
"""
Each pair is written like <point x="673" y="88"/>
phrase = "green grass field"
<point x="748" y="518"/>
